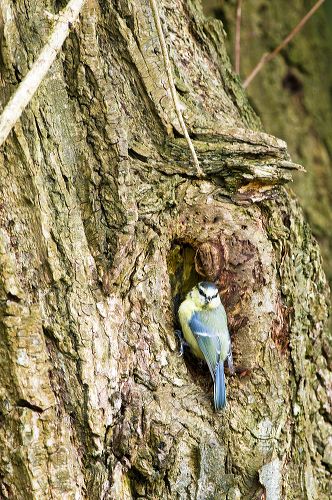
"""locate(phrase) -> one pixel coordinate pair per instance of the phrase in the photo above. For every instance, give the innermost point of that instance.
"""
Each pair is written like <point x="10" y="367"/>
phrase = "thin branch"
<point x="270" y="55"/>
<point x="27" y="88"/>
<point x="167" y="63"/>
<point x="238" y="36"/>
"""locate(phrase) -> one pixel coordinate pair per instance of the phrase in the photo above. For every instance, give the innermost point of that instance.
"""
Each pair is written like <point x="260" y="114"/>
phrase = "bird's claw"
<point x="230" y="363"/>
<point x="183" y="343"/>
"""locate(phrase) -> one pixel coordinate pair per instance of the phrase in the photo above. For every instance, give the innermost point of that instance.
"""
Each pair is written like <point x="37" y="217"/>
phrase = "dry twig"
<point x="40" y="67"/>
<point x="167" y="63"/>
<point x="238" y="36"/>
<point x="270" y="55"/>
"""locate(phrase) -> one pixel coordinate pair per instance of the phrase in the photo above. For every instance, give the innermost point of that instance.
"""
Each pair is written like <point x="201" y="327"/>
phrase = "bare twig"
<point x="40" y="67"/>
<point x="167" y="63"/>
<point x="270" y="55"/>
<point x="238" y="36"/>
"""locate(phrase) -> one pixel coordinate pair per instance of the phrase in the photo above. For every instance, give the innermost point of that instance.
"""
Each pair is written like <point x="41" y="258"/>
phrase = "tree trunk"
<point x="292" y="94"/>
<point x="105" y="225"/>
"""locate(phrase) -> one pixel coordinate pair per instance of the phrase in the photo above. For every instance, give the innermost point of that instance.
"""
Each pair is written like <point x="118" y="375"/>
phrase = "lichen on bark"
<point x="103" y="224"/>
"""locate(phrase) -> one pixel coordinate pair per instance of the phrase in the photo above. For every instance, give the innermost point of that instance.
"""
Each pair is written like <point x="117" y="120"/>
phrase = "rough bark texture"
<point x="292" y="94"/>
<point x="104" y="227"/>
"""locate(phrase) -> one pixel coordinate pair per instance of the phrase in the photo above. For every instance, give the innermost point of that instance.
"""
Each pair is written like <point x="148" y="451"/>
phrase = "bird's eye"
<point x="201" y="292"/>
<point x="215" y="295"/>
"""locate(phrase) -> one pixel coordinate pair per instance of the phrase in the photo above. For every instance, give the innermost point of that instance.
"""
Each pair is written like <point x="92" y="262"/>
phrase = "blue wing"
<point x="207" y="340"/>
<point x="210" y="343"/>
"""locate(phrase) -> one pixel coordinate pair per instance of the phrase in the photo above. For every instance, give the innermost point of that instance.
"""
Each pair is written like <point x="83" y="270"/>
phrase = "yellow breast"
<point x="186" y="310"/>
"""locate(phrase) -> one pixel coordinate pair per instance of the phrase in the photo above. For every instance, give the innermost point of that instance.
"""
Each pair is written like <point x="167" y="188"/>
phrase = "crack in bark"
<point x="23" y="403"/>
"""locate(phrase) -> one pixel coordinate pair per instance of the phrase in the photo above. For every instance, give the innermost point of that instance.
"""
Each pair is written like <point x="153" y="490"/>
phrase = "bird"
<point x="203" y="322"/>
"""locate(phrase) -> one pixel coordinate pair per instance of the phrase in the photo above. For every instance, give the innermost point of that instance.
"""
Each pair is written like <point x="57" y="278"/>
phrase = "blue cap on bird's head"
<point x="206" y="285"/>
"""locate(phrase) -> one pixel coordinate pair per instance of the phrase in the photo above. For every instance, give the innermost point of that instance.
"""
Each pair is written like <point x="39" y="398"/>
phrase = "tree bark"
<point x="105" y="226"/>
<point x="292" y="94"/>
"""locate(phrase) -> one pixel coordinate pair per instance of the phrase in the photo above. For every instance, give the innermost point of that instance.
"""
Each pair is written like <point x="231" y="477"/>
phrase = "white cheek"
<point x="216" y="302"/>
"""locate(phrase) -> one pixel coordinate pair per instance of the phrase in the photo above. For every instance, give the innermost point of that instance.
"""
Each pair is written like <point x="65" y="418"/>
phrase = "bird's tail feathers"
<point x="219" y="387"/>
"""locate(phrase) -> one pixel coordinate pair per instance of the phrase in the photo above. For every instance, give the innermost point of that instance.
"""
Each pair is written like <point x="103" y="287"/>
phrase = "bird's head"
<point x="205" y="295"/>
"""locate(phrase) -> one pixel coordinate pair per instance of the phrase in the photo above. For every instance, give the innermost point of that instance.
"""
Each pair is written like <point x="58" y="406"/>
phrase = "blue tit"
<point x="204" y="325"/>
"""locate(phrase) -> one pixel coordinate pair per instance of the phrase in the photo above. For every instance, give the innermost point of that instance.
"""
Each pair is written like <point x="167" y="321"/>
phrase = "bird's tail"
<point x="219" y="387"/>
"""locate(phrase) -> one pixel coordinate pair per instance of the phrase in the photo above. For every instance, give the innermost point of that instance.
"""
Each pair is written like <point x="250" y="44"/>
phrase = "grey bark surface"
<point x="104" y="225"/>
